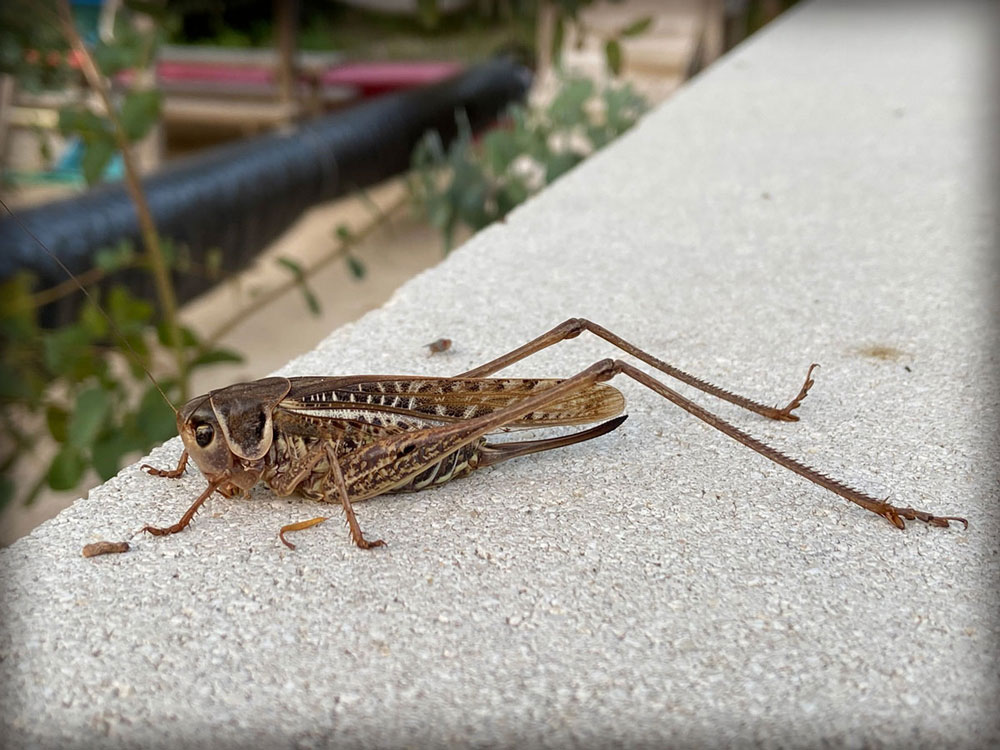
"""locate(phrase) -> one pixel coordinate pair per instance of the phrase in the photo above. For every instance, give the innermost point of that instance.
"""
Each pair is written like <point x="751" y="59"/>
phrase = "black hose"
<point x="239" y="197"/>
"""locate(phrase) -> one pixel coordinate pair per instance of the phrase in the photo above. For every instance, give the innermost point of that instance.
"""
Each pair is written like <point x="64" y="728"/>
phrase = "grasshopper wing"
<point x="414" y="402"/>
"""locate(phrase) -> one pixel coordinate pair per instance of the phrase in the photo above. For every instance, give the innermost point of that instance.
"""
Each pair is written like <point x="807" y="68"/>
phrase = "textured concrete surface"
<point x="821" y="194"/>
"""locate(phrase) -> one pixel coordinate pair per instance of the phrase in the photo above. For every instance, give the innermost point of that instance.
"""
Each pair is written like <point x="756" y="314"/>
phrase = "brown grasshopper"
<point x="351" y="438"/>
<point x="348" y="439"/>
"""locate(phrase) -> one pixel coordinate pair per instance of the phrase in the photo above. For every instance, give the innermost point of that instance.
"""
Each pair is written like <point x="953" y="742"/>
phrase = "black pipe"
<point x="239" y="197"/>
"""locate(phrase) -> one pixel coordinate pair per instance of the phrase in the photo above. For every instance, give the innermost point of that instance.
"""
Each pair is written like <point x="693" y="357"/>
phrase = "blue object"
<point x="72" y="161"/>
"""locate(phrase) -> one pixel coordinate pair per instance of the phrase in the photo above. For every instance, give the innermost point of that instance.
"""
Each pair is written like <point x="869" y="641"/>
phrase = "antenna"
<point x="135" y="357"/>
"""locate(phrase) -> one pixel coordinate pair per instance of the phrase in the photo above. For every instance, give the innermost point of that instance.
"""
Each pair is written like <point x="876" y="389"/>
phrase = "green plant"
<point x="567" y="20"/>
<point x="83" y="386"/>
<point x="138" y="109"/>
<point x="556" y="19"/>
<point x="39" y="57"/>
<point x="32" y="52"/>
<point x="476" y="183"/>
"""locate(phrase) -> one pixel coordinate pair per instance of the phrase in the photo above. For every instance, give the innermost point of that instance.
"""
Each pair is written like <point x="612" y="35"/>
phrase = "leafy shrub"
<point x="475" y="183"/>
<point x="83" y="386"/>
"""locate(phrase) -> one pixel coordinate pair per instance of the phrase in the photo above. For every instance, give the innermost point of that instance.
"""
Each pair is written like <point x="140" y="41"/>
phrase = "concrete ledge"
<point x="821" y="194"/>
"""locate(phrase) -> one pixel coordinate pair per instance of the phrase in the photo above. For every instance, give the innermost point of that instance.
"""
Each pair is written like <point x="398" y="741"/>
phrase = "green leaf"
<point x="96" y="156"/>
<point x="439" y="212"/>
<point x="129" y="47"/>
<point x="429" y="151"/>
<point x="472" y="204"/>
<point x="344" y="233"/>
<point x="57" y="420"/>
<point x="115" y="258"/>
<point x="514" y="193"/>
<point x="293" y="266"/>
<point x="7" y="488"/>
<point x="107" y="453"/>
<point x="215" y="356"/>
<point x="636" y="27"/>
<point x="613" y="54"/>
<point x="300" y="278"/>
<point x="312" y="302"/>
<point x="500" y="148"/>
<point x="568" y="107"/>
<point x="558" y="164"/>
<point x="129" y="312"/>
<point x="66" y="469"/>
<point x="79" y="121"/>
<point x="356" y="267"/>
<point x="110" y="59"/>
<point x="90" y="413"/>
<point x="154" y="418"/>
<point x="472" y="184"/>
<point x="188" y="337"/>
<point x="66" y="352"/>
<point x="624" y="103"/>
<point x="92" y="321"/>
<point x="17" y="311"/>
<point x="12" y="385"/>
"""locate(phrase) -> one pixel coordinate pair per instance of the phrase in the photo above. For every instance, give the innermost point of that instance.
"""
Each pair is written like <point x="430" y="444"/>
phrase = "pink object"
<point x="367" y="78"/>
<point x="186" y="72"/>
<point x="371" y="78"/>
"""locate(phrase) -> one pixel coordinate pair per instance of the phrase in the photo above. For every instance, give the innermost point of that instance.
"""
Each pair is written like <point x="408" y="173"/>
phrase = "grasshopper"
<point x="351" y="438"/>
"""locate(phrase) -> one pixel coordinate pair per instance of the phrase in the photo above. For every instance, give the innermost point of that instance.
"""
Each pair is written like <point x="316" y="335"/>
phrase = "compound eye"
<point x="203" y="434"/>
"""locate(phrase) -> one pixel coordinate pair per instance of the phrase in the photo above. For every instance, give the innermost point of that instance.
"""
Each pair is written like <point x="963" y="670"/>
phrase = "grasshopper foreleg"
<point x="169" y="473"/>
<point x="189" y="513"/>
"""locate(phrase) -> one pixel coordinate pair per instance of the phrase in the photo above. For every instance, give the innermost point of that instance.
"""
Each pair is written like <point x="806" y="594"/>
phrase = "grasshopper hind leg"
<point x="495" y="453"/>
<point x="573" y="327"/>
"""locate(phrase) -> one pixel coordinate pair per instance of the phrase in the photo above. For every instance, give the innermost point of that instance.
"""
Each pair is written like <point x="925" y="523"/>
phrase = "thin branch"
<point x="68" y="287"/>
<point x="161" y="276"/>
<point x="338" y="251"/>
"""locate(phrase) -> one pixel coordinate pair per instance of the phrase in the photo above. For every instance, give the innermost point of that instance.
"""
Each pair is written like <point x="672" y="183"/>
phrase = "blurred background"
<point x="232" y="181"/>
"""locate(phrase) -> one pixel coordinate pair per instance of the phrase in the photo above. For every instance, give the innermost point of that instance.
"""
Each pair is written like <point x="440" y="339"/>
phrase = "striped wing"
<point x="392" y="403"/>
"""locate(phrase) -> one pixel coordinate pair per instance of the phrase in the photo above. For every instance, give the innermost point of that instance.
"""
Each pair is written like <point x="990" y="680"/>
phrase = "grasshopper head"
<point x="230" y="430"/>
<point x="203" y="437"/>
